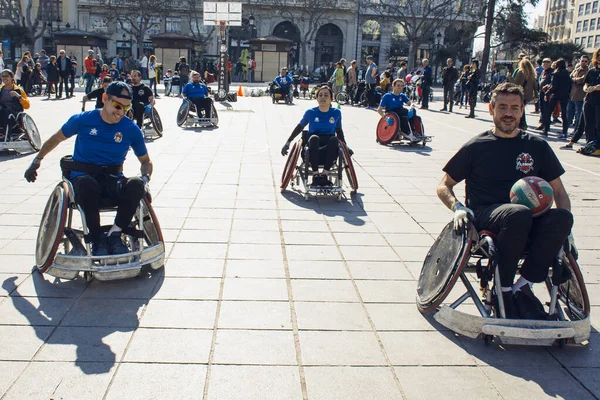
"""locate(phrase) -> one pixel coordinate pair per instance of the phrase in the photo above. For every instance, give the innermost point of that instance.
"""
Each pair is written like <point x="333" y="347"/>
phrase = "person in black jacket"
<point x="544" y="84"/>
<point x="64" y="69"/>
<point x="560" y="89"/>
<point x="449" y="78"/>
<point x="52" y="76"/>
<point x="473" y="85"/>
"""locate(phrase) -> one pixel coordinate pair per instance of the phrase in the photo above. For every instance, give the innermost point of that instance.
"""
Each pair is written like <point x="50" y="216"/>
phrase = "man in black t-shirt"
<point x="490" y="163"/>
<point x="97" y="94"/>
<point x="143" y="98"/>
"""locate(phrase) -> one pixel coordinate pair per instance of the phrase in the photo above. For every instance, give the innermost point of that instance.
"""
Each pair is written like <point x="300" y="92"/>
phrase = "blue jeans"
<point x="574" y="109"/>
<point x="464" y="94"/>
<point x="89" y="84"/>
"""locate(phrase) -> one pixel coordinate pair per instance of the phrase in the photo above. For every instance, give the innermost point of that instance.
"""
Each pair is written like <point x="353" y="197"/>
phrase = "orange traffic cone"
<point x="240" y="92"/>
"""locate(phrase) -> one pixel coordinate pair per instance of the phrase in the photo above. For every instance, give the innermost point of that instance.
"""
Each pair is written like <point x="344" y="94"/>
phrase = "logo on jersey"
<point x="525" y="163"/>
<point x="118" y="137"/>
<point x="141" y="92"/>
<point x="317" y="119"/>
<point x="332" y="120"/>
<point x="93" y="132"/>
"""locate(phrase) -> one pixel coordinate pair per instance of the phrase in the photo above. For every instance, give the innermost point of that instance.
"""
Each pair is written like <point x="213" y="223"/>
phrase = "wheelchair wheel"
<point x="387" y="133"/>
<point x="363" y="99"/>
<point x="33" y="135"/>
<point x="342" y="98"/>
<point x="52" y="226"/>
<point x="349" y="168"/>
<point x="183" y="112"/>
<point x="573" y="292"/>
<point x="156" y="122"/>
<point x="214" y="115"/>
<point x="290" y="165"/>
<point x="442" y="266"/>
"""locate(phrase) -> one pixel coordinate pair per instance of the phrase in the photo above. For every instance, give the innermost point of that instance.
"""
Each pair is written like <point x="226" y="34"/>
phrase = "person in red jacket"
<point x="90" y="71"/>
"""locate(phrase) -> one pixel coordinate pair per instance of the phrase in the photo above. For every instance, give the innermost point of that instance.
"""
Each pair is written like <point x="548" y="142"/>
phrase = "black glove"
<point x="285" y="149"/>
<point x="31" y="173"/>
<point x="349" y="150"/>
<point x="146" y="180"/>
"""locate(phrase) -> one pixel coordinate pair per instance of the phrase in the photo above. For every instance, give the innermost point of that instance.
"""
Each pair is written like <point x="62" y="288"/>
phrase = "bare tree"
<point x="421" y="19"/>
<point x="308" y="16"/>
<point x="26" y="14"/>
<point x="136" y="17"/>
<point x="194" y="15"/>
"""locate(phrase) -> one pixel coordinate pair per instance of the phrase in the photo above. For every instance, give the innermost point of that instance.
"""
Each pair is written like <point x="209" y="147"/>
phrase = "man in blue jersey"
<point x="324" y="130"/>
<point x="394" y="102"/>
<point x="103" y="140"/>
<point x="196" y="92"/>
<point x="282" y="83"/>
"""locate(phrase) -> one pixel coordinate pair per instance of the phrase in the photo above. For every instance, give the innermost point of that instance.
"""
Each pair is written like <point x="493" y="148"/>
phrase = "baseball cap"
<point x="116" y="89"/>
<point x="547" y="60"/>
<point x="369" y="57"/>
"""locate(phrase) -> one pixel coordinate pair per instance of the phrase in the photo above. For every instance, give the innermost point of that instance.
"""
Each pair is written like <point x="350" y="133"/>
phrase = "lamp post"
<point x="438" y="44"/>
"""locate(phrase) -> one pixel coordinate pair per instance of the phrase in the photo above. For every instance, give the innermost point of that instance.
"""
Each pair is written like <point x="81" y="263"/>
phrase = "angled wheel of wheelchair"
<point x="290" y="165"/>
<point x="33" y="135"/>
<point x="573" y="292"/>
<point x="443" y="264"/>
<point x="342" y="98"/>
<point x="52" y="226"/>
<point x="214" y="115"/>
<point x="387" y="133"/>
<point x="183" y="112"/>
<point x="150" y="226"/>
<point x="349" y="168"/>
<point x="156" y="122"/>
<point x="363" y="98"/>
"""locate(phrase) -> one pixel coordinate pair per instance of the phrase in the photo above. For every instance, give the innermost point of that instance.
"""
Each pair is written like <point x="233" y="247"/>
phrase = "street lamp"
<point x="438" y="44"/>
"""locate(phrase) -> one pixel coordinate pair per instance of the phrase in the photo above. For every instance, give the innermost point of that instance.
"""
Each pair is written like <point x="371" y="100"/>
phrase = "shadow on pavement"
<point x="99" y="310"/>
<point x="350" y="210"/>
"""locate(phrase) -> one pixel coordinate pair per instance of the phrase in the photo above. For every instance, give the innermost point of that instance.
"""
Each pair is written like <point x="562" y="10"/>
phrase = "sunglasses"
<point x="120" y="106"/>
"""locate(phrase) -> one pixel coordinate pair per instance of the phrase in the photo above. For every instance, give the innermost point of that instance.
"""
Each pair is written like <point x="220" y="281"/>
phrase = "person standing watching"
<point x="44" y="60"/>
<point x="144" y="66"/>
<point x="90" y="71"/>
<point x="591" y="104"/>
<point x="1" y="61"/>
<point x="152" y="75"/>
<point x="575" y="105"/>
<point x="64" y="69"/>
<point x="473" y="84"/>
<point x="560" y="88"/>
<point x="426" y="84"/>
<point x="352" y="78"/>
<point x="544" y="84"/>
<point x="251" y="65"/>
<point x="449" y="78"/>
<point x="526" y="78"/>
<point x="401" y="74"/>
<point x="371" y="81"/>
<point x="52" y="76"/>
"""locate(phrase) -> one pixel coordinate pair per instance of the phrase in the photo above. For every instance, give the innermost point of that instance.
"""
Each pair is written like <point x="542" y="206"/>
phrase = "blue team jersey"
<point x="390" y="101"/>
<point x="195" y="90"/>
<point x="322" y="123"/>
<point x="283" y="81"/>
<point x="100" y="143"/>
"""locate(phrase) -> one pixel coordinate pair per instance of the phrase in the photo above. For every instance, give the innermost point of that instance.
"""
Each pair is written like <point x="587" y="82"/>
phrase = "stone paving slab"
<point x="266" y="295"/>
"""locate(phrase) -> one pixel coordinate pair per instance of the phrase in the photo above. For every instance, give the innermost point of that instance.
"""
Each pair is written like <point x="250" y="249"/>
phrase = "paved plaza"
<point x="265" y="295"/>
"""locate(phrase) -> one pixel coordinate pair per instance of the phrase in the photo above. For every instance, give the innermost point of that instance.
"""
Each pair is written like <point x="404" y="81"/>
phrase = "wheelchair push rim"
<point x="290" y="165"/>
<point x="387" y="133"/>
<point x="341" y="98"/>
<point x="349" y="168"/>
<point x="52" y="226"/>
<point x="183" y="112"/>
<point x="156" y="122"/>
<point x="33" y="135"/>
<point x="442" y="266"/>
<point x="214" y="115"/>
<point x="573" y="292"/>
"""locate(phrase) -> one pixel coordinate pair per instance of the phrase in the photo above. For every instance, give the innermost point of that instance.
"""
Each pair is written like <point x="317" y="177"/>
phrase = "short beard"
<point x="498" y="126"/>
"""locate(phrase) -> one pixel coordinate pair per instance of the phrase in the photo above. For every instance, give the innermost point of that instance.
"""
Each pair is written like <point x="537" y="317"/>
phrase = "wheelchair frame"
<point x="569" y="300"/>
<point x="195" y="121"/>
<point x="151" y="124"/>
<point x="16" y="141"/>
<point x="298" y="175"/>
<point x="147" y="244"/>
<point x="391" y="134"/>
<point x="289" y="99"/>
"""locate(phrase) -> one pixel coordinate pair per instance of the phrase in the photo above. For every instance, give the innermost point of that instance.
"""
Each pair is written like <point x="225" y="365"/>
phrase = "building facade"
<point x="586" y="23"/>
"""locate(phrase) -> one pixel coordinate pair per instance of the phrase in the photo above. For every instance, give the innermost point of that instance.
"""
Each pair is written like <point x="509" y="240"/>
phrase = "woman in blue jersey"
<point x="394" y="102"/>
<point x="324" y="130"/>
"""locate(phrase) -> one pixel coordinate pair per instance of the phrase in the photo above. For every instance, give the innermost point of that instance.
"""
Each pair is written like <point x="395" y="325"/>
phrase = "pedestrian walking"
<point x="449" y="78"/>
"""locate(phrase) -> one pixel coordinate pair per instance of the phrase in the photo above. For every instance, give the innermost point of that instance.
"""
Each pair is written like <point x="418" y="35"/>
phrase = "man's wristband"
<point x="456" y="204"/>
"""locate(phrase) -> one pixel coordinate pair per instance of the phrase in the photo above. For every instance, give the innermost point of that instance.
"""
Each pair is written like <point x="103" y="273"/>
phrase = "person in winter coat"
<point x="527" y="79"/>
<point x="560" y="90"/>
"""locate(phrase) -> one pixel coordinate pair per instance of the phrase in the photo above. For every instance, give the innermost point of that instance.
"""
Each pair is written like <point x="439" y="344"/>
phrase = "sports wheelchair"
<point x="453" y="255"/>
<point x="60" y="252"/>
<point x="388" y="134"/>
<point x="276" y="97"/>
<point x="188" y="115"/>
<point x="152" y="124"/>
<point x="20" y="134"/>
<point x="298" y="173"/>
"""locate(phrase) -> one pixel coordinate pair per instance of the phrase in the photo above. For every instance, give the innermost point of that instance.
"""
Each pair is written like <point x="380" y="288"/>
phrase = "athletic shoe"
<point x="568" y="145"/>
<point x="528" y="306"/>
<point x="540" y="127"/>
<point x="443" y="109"/>
<point x="100" y="246"/>
<point x="562" y="136"/>
<point x="509" y="306"/>
<point x="116" y="245"/>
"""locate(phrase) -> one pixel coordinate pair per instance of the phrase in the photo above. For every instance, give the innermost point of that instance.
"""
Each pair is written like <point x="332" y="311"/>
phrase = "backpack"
<point x="591" y="149"/>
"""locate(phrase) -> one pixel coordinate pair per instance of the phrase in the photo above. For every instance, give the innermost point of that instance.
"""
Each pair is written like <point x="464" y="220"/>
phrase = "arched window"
<point x="371" y="31"/>
<point x="398" y="33"/>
